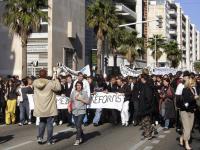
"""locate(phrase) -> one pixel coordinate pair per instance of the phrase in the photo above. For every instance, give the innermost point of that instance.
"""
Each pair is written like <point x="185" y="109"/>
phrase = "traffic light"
<point x="59" y="64"/>
<point x="160" y="21"/>
<point x="34" y="63"/>
<point x="106" y="61"/>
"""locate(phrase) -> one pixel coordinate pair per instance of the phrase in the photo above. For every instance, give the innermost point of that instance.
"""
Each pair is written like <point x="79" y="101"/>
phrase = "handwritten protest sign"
<point x="99" y="100"/>
<point x="107" y="100"/>
<point x="62" y="102"/>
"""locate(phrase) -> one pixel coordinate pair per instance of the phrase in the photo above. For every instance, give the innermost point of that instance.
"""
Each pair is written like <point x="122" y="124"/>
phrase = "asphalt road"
<point x="104" y="137"/>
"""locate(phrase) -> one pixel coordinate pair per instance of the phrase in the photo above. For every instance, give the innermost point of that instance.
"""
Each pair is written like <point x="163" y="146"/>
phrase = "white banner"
<point x="62" y="101"/>
<point x="163" y="71"/>
<point x="86" y="70"/>
<point x="107" y="100"/>
<point x="126" y="71"/>
<point x="99" y="100"/>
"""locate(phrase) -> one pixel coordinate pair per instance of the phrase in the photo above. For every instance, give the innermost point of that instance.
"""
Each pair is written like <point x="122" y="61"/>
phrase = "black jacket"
<point x="145" y="96"/>
<point x="11" y="93"/>
<point x="112" y="88"/>
<point x="126" y="90"/>
<point x="188" y="97"/>
<point x="2" y="91"/>
<point x="68" y="90"/>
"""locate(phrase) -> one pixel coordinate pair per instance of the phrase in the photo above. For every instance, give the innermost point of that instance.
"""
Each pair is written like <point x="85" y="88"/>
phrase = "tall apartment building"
<point x="176" y="26"/>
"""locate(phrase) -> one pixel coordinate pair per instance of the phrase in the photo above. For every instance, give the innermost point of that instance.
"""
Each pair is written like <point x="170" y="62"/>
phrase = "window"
<point x="68" y="57"/>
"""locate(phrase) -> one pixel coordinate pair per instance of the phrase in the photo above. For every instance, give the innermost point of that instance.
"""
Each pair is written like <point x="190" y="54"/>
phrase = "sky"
<point x="192" y="9"/>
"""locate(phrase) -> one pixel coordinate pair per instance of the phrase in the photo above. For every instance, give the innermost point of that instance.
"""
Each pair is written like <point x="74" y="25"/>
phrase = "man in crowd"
<point x="45" y="104"/>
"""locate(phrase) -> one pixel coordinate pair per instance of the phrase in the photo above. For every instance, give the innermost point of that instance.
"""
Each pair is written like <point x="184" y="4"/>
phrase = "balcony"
<point x="125" y="12"/>
<point x="173" y="22"/>
<point x="172" y="32"/>
<point x="172" y="12"/>
<point x="183" y="40"/>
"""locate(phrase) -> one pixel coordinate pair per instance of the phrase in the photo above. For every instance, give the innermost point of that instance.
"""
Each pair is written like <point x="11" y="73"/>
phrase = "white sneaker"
<point x="20" y="124"/>
<point x="123" y="124"/>
<point x="60" y="122"/>
<point x="126" y="124"/>
<point x="156" y="122"/>
<point x="54" y="124"/>
<point x="77" y="142"/>
<point x="29" y="122"/>
<point x="81" y="140"/>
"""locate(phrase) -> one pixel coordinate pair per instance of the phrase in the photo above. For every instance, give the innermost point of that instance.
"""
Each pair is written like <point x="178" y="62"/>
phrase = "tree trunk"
<point x="115" y="59"/>
<point x="24" y="58"/>
<point x="99" y="53"/>
<point x="131" y="65"/>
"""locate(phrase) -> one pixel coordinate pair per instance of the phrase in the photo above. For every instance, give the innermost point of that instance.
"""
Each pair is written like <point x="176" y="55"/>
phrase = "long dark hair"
<point x="79" y="82"/>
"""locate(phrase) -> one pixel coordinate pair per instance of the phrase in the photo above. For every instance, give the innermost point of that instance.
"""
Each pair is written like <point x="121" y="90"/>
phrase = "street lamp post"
<point x="155" y="51"/>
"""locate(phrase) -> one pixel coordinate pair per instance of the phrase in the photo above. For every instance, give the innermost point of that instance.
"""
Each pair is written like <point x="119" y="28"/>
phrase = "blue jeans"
<point x="46" y="121"/>
<point x="97" y="116"/>
<point x="24" y="111"/>
<point x="85" y="120"/>
<point x="167" y="123"/>
<point x="78" y="123"/>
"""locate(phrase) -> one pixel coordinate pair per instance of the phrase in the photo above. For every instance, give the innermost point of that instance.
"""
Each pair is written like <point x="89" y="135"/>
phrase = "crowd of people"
<point x="149" y="100"/>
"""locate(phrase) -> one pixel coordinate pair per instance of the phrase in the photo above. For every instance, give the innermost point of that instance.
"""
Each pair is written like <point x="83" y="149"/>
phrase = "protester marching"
<point x="145" y="100"/>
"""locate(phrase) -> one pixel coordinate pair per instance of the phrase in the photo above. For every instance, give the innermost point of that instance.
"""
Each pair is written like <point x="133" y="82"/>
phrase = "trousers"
<point x="10" y="111"/>
<point x="187" y="119"/>
<point x="46" y="121"/>
<point x="125" y="112"/>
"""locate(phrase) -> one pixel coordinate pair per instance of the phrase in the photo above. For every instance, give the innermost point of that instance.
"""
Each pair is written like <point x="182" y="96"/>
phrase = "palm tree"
<point x="22" y="17"/>
<point x="115" y="39"/>
<point x="132" y="47"/>
<point x="102" y="18"/>
<point x="197" y="66"/>
<point x="160" y="41"/>
<point x="174" y="54"/>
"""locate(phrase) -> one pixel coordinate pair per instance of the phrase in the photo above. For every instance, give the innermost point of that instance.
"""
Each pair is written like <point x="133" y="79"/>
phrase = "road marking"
<point x="167" y="131"/>
<point x="25" y="143"/>
<point x="19" y="145"/>
<point x="65" y="130"/>
<point x="155" y="141"/>
<point x="162" y="136"/>
<point x="148" y="148"/>
<point x="136" y="146"/>
<point x="3" y="125"/>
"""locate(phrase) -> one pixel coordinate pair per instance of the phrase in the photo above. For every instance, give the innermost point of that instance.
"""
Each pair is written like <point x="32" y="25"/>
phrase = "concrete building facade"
<point x="62" y="39"/>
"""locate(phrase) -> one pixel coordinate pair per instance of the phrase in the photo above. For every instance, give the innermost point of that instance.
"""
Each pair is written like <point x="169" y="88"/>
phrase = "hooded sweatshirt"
<point x="45" y="98"/>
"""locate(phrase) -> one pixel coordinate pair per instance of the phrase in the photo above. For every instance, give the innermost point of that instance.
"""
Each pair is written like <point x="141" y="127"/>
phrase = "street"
<point x="104" y="137"/>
